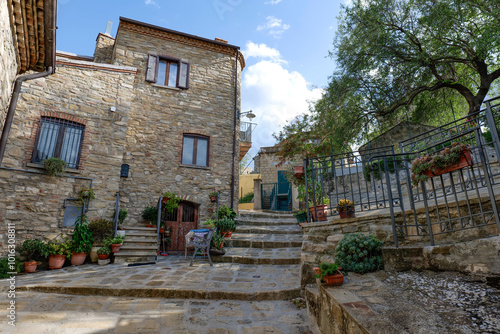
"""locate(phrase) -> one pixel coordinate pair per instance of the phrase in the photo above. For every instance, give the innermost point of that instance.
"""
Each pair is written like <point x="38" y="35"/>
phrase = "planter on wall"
<point x="465" y="161"/>
<point x="322" y="211"/>
<point x="334" y="280"/>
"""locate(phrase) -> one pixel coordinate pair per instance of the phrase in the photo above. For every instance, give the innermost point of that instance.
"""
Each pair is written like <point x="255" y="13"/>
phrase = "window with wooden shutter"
<point x="167" y="71"/>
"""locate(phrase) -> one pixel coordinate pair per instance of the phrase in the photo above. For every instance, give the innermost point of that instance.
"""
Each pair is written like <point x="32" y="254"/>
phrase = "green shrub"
<point x="226" y="212"/>
<point x="226" y="225"/>
<point x="150" y="214"/>
<point x="54" y="166"/>
<point x="100" y="228"/>
<point x="378" y="168"/>
<point x="327" y="269"/>
<point x="122" y="214"/>
<point x="5" y="269"/>
<point x="359" y="253"/>
<point x="103" y="251"/>
<point x="59" y="248"/>
<point x="82" y="236"/>
<point x="32" y="250"/>
<point x="248" y="198"/>
<point x="488" y="138"/>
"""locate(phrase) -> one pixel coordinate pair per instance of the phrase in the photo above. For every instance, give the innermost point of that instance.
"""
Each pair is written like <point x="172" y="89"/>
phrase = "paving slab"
<point x="43" y="313"/>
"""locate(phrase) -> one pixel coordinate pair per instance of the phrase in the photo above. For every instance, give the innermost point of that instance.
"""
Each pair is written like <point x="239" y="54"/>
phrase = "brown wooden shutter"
<point x="183" y="75"/>
<point x="152" y="69"/>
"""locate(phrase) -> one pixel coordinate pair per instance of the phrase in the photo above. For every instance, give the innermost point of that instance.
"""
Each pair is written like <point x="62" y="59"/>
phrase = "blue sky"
<point x="285" y="43"/>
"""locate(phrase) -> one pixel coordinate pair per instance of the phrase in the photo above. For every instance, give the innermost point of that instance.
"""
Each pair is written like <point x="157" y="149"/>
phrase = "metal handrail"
<point x="117" y="214"/>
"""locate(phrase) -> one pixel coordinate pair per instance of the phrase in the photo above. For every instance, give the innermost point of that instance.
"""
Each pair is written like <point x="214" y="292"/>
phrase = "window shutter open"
<point x="151" y="72"/>
<point x="184" y="75"/>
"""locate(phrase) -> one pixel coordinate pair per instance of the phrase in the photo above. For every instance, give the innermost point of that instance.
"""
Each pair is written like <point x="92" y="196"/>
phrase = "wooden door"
<point x="182" y="220"/>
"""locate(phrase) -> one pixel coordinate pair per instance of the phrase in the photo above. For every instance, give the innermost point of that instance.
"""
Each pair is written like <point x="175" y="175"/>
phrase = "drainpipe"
<point x="13" y="103"/>
<point x="235" y="125"/>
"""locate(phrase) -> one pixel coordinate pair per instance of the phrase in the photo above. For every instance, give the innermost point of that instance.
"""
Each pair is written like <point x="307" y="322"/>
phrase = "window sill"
<point x="165" y="87"/>
<point x="40" y="166"/>
<point x="194" y="166"/>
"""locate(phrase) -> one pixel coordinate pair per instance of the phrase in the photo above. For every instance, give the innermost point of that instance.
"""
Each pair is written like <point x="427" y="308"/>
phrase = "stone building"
<point x="153" y="111"/>
<point x="273" y="191"/>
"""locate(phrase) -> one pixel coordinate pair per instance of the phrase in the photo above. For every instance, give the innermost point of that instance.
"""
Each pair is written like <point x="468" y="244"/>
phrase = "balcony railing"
<point x="246" y="129"/>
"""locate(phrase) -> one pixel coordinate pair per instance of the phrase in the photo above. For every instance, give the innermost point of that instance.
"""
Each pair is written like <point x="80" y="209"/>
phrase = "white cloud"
<point x="272" y="2"/>
<point x="151" y="2"/>
<point x="275" y="95"/>
<point x="262" y="51"/>
<point x="274" y="27"/>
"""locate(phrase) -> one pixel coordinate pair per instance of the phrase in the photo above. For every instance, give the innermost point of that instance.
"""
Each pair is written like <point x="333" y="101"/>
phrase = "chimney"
<point x="108" y="28"/>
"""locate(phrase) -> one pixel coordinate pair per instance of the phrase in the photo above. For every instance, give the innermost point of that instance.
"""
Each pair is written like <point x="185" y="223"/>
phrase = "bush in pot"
<point x="58" y="252"/>
<point x="115" y="243"/>
<point x="32" y="250"/>
<point x="101" y="229"/>
<point x="82" y="241"/>
<point x="226" y="226"/>
<point x="330" y="273"/>
<point x="103" y="252"/>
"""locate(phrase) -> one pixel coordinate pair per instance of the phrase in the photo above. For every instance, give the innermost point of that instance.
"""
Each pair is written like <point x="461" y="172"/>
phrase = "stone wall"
<point x="35" y="202"/>
<point x="161" y="115"/>
<point x="104" y="47"/>
<point x="8" y="62"/>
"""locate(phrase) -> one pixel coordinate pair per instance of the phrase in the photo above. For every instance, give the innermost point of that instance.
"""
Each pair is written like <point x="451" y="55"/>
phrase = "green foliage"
<point x="214" y="192"/>
<point x="248" y="198"/>
<point x="445" y="158"/>
<point x="59" y="248"/>
<point x="150" y="214"/>
<point x="82" y="236"/>
<point x="33" y="250"/>
<point x="172" y="202"/>
<point x="54" y="166"/>
<point x="122" y="214"/>
<point x="226" y="225"/>
<point x="210" y="223"/>
<point x="488" y="138"/>
<point x="377" y="167"/>
<point x="327" y="269"/>
<point x="86" y="193"/>
<point x="118" y="239"/>
<point x="101" y="228"/>
<point x="217" y="240"/>
<point x="103" y="251"/>
<point x="4" y="267"/>
<point x="359" y="253"/>
<point x="226" y="212"/>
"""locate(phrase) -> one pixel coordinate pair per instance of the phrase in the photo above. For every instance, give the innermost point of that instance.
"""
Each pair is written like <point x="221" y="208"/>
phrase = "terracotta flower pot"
<point x="465" y="161"/>
<point x="298" y="171"/>
<point x="336" y="279"/>
<point x="162" y="230"/>
<point x="102" y="256"/>
<point x="56" y="261"/>
<point x="322" y="211"/>
<point x="115" y="248"/>
<point x="30" y="267"/>
<point x="77" y="259"/>
<point x="213" y="198"/>
<point x="347" y="214"/>
<point x="227" y="234"/>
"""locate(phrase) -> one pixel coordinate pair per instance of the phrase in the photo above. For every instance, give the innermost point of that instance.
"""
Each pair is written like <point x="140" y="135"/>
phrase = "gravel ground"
<point x="469" y="303"/>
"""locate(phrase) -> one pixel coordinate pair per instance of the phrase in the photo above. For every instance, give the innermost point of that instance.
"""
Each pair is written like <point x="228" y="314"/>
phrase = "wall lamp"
<point x="248" y="114"/>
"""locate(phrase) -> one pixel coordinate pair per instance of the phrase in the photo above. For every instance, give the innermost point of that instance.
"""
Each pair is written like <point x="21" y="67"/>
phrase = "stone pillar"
<point x="295" y="201"/>
<point x="257" y="198"/>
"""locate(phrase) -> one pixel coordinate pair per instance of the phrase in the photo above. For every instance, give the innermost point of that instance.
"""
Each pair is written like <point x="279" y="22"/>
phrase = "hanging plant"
<point x="171" y="201"/>
<point x="54" y="166"/>
<point x="86" y="193"/>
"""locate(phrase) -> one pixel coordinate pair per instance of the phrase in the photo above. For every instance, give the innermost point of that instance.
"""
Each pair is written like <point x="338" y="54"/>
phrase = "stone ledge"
<point x="40" y="166"/>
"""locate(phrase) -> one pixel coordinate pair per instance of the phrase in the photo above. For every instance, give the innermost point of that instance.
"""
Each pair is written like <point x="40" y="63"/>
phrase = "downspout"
<point x="235" y="125"/>
<point x="13" y="104"/>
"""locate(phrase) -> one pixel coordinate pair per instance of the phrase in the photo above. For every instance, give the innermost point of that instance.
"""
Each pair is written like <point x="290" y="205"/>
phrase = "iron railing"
<point x="246" y="129"/>
<point x="442" y="206"/>
<point x="117" y="214"/>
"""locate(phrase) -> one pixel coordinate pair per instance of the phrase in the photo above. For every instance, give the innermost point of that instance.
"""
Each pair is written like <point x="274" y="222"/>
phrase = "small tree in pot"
<point x="33" y="251"/>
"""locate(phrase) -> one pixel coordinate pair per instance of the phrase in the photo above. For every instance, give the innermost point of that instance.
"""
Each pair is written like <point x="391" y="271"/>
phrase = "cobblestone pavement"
<point x="41" y="313"/>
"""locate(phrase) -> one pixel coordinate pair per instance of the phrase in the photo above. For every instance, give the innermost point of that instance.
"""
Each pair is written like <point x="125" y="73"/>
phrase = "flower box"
<point x="298" y="171"/>
<point x="465" y="161"/>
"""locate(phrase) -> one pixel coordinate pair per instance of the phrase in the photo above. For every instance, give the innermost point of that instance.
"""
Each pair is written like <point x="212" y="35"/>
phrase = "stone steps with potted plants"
<point x="139" y="245"/>
<point x="263" y="238"/>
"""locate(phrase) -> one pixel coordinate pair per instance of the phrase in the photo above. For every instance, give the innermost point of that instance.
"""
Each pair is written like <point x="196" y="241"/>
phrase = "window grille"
<point x="60" y="139"/>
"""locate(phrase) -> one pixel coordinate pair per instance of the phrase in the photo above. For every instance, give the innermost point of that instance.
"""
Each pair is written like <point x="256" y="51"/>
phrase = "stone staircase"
<point x="264" y="238"/>
<point x="139" y="245"/>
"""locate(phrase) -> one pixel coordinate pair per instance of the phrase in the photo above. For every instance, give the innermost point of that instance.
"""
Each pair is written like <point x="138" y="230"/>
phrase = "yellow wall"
<point x="246" y="183"/>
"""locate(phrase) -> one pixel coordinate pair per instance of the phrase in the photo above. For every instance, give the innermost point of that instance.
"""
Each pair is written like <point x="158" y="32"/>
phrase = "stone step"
<point x="273" y="256"/>
<point x="140" y="238"/>
<point x="263" y="241"/>
<point x="134" y="259"/>
<point x="269" y="229"/>
<point x="138" y="247"/>
<point x="138" y="228"/>
<point x="130" y="233"/>
<point x="264" y="221"/>
<point x="265" y="214"/>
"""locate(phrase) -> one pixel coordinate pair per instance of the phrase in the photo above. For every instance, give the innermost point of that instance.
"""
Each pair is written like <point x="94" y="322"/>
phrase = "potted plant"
<point x="82" y="241"/>
<point x="226" y="226"/>
<point x="171" y="201"/>
<point x="32" y="251"/>
<point x="210" y="223"/>
<point x="115" y="243"/>
<point x="58" y="252"/>
<point x="319" y="212"/>
<point x="150" y="214"/>
<point x="103" y="253"/>
<point x="301" y="216"/>
<point x="101" y="229"/>
<point x="54" y="166"/>
<point x="85" y="194"/>
<point x="451" y="158"/>
<point x="330" y="273"/>
<point x="214" y="194"/>
<point x="298" y="171"/>
<point x="226" y="212"/>
<point x="217" y="244"/>
<point x="345" y="208"/>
